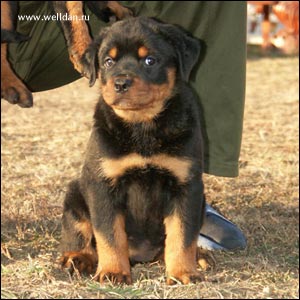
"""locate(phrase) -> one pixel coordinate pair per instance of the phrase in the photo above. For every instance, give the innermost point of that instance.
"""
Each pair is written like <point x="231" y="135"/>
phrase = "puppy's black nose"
<point x="122" y="84"/>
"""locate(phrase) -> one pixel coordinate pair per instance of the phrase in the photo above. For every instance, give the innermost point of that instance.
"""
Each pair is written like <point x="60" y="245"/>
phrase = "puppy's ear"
<point x="89" y="61"/>
<point x="187" y="47"/>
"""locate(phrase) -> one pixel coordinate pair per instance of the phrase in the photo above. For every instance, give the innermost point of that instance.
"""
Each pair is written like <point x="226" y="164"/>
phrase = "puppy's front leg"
<point x="180" y="259"/>
<point x="111" y="239"/>
<point x="182" y="227"/>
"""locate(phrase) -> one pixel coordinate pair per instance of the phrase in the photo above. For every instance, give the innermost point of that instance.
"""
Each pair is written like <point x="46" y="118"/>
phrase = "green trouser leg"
<point x="218" y="79"/>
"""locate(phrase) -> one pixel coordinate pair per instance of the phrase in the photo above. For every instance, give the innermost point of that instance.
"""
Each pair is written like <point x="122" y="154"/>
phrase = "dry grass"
<point x="42" y="149"/>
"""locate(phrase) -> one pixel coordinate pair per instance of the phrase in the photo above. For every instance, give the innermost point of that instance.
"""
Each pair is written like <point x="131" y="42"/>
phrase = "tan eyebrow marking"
<point x="143" y="51"/>
<point x="113" y="52"/>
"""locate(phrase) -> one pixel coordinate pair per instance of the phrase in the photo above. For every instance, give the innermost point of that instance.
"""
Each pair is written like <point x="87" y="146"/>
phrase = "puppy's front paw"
<point x="114" y="276"/>
<point x="184" y="276"/>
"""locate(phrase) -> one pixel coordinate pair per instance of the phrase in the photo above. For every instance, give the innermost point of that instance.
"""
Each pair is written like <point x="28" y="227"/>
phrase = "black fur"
<point x="145" y="196"/>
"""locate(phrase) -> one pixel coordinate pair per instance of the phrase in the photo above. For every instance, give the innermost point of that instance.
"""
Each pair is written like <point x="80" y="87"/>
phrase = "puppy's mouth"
<point x="134" y="94"/>
<point x="136" y="100"/>
<point x="125" y="102"/>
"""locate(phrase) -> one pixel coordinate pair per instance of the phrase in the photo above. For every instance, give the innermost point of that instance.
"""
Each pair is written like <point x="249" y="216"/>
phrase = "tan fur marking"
<point x="143" y="52"/>
<point x="120" y="11"/>
<point x="85" y="227"/>
<point x="143" y="115"/>
<point x="180" y="261"/>
<point x="6" y="22"/>
<point x="81" y="37"/>
<point x="9" y="79"/>
<point x="113" y="52"/>
<point x="81" y="260"/>
<point x="11" y="85"/>
<point x="114" y="168"/>
<point x="113" y="259"/>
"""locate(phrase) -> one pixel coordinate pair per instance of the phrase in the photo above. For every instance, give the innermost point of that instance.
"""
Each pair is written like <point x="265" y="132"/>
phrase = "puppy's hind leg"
<point x="77" y="241"/>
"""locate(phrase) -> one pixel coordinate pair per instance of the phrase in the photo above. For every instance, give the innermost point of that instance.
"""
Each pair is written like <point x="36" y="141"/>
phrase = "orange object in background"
<point x="287" y="13"/>
<point x="287" y="38"/>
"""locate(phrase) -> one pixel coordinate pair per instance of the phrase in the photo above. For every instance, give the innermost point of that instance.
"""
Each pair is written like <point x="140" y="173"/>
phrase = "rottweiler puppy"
<point x="75" y="30"/>
<point x="140" y="194"/>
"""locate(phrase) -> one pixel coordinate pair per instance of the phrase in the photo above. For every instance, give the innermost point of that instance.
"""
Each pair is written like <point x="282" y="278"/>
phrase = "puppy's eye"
<point x="108" y="62"/>
<point x="150" y="60"/>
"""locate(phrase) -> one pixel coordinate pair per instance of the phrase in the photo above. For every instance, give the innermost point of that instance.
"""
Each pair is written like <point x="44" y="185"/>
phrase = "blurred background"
<point x="274" y="25"/>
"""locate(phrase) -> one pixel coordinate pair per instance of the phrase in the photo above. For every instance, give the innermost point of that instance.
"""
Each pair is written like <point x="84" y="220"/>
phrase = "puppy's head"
<point x="138" y="62"/>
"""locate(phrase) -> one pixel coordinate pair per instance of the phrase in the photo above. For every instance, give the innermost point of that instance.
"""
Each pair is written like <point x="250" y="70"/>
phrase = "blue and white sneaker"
<point x="218" y="233"/>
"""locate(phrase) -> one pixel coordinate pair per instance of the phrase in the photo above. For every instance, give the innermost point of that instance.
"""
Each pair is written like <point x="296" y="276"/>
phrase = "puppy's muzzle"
<point x="122" y="84"/>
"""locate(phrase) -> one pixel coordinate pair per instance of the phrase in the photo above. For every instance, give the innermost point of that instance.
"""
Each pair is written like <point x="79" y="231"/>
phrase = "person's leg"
<point x="219" y="78"/>
<point x="219" y="81"/>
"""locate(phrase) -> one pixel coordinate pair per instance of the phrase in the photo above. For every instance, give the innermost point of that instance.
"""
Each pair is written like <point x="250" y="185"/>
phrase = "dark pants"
<point x="218" y="79"/>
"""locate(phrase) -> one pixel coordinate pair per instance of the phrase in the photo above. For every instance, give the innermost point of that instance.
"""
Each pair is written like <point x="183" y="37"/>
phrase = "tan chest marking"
<point x="115" y="168"/>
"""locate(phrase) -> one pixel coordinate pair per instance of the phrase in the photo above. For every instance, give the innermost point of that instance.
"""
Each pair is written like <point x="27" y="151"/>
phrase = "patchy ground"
<point x="42" y="150"/>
